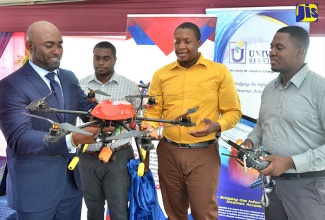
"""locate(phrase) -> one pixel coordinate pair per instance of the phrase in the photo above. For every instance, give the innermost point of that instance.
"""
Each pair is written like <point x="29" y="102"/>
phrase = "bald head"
<point x="44" y="43"/>
<point x="41" y="28"/>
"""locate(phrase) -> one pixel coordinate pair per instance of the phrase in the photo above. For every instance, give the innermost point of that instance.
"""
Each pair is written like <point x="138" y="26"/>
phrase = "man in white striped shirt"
<point x="109" y="181"/>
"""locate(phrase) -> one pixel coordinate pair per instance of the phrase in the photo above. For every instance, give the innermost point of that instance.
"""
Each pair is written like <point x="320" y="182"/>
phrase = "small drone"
<point x="251" y="159"/>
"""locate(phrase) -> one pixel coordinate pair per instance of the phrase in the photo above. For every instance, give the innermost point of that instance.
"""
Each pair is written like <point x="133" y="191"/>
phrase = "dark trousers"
<point x="108" y="182"/>
<point x="189" y="178"/>
<point x="297" y="198"/>
<point x="68" y="208"/>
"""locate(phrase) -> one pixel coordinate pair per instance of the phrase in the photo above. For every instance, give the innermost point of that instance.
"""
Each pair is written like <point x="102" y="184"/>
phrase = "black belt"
<point x="189" y="146"/>
<point x="96" y="153"/>
<point x="303" y="175"/>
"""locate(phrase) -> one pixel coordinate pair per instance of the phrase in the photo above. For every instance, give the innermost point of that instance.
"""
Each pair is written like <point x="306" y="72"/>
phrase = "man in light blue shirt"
<point x="291" y="126"/>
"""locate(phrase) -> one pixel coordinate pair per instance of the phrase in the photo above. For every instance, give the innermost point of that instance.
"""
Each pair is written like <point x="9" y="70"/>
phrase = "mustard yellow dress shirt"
<point x="206" y="84"/>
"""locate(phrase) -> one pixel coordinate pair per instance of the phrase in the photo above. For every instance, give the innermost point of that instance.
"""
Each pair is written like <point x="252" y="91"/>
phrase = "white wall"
<point x="316" y="55"/>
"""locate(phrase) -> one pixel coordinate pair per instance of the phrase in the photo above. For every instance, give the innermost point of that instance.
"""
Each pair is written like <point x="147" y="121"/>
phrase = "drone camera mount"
<point x="146" y="143"/>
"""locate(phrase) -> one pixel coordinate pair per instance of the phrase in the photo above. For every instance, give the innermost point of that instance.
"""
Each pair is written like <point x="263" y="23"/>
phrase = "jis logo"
<point x="307" y="12"/>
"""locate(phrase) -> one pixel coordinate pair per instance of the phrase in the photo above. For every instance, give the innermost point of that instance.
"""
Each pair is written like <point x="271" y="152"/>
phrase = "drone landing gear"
<point x="75" y="160"/>
<point x="144" y="153"/>
<point x="144" y="163"/>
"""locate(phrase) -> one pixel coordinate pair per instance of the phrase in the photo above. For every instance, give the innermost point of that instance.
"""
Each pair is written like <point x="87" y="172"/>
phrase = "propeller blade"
<point x="64" y="126"/>
<point x="192" y="110"/>
<point x="101" y="92"/>
<point x="40" y="117"/>
<point x="97" y="91"/>
<point x="189" y="111"/>
<point x="144" y="86"/>
<point x="148" y="96"/>
<point x="129" y="134"/>
<point x="37" y="102"/>
<point x="70" y="127"/>
<point x="137" y="96"/>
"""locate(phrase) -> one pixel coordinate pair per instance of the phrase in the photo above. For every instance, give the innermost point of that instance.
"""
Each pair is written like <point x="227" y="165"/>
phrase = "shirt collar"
<point x="42" y="72"/>
<point x="93" y="78"/>
<point x="297" y="79"/>
<point x="201" y="60"/>
<point x="277" y="81"/>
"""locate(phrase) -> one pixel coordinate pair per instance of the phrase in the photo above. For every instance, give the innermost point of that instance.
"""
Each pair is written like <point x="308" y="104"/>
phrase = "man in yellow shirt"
<point x="188" y="157"/>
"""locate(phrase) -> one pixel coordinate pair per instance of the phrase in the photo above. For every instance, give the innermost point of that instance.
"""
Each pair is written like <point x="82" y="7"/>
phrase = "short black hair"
<point x="107" y="45"/>
<point x="191" y="26"/>
<point x="298" y="34"/>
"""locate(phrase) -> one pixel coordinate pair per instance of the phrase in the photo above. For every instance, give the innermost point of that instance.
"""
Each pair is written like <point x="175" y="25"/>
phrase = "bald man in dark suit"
<point x="39" y="184"/>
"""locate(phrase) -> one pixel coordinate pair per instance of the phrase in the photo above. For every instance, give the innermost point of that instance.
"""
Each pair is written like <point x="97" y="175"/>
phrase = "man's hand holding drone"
<point x="151" y="131"/>
<point x="79" y="138"/>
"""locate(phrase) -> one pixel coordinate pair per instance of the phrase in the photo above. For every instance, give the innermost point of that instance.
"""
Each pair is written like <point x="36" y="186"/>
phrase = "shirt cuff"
<point x="301" y="163"/>
<point x="71" y="149"/>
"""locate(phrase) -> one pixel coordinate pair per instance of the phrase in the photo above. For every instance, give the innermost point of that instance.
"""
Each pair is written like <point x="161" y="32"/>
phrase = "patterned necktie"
<point x="56" y="88"/>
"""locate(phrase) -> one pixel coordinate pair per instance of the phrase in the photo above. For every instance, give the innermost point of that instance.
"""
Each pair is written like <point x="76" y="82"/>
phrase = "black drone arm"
<point x="55" y="110"/>
<point x="174" y="122"/>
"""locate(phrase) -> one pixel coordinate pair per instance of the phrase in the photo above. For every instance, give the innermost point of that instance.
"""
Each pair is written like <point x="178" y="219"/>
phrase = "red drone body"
<point x="112" y="110"/>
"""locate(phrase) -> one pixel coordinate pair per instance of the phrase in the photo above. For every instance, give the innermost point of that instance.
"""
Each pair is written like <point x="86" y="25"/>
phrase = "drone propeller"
<point x="129" y="134"/>
<point x="97" y="91"/>
<point x="144" y="86"/>
<point x="64" y="126"/>
<point x="37" y="103"/>
<point x="148" y="96"/>
<point x="138" y="96"/>
<point x="189" y="111"/>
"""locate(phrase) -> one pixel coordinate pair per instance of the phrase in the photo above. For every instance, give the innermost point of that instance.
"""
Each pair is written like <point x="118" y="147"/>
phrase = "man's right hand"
<point x="152" y="132"/>
<point x="78" y="138"/>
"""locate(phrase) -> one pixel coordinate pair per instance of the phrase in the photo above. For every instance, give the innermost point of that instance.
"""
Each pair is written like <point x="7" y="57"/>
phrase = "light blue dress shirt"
<point x="291" y="120"/>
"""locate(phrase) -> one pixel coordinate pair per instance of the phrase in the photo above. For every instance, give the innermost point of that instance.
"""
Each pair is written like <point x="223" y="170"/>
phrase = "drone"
<point x="114" y="114"/>
<point x="251" y="159"/>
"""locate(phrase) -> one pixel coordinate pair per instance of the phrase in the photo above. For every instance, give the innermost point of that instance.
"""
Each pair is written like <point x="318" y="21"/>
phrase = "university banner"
<point x="242" y="43"/>
<point x="243" y="37"/>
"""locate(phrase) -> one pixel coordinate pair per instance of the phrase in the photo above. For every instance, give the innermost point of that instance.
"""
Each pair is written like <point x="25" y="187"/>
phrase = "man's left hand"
<point x="210" y="127"/>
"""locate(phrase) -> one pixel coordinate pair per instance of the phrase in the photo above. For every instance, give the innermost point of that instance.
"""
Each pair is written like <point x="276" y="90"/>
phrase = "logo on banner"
<point x="237" y="52"/>
<point x="307" y="12"/>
